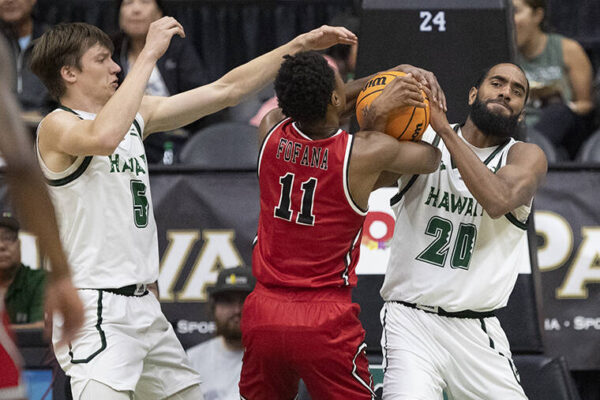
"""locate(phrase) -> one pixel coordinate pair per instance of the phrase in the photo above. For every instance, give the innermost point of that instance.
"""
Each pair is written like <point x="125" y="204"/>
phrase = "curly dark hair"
<point x="304" y="85"/>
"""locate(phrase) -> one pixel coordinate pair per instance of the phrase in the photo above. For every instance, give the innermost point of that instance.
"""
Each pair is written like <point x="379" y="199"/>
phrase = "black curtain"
<point x="226" y="33"/>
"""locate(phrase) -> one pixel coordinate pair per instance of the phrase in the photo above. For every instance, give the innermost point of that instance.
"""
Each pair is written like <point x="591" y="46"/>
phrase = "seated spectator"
<point x="219" y="360"/>
<point x="178" y="70"/>
<point x="23" y="286"/>
<point x="19" y="26"/>
<point x="560" y="74"/>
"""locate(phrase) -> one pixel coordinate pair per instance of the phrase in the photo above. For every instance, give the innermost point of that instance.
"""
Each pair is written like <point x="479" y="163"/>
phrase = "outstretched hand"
<point x="325" y="37"/>
<point x="62" y="298"/>
<point x="428" y="79"/>
<point x="160" y="34"/>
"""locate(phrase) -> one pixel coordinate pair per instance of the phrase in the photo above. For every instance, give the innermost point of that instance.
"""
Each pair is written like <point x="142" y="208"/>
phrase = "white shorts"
<point x="126" y="343"/>
<point x="425" y="354"/>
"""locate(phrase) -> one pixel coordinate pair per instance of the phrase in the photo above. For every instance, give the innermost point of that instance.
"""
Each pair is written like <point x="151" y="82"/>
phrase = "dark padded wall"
<point x="465" y="38"/>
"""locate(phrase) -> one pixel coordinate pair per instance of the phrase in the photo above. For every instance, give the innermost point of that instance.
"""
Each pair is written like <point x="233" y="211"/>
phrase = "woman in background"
<point x="178" y="70"/>
<point x="560" y="75"/>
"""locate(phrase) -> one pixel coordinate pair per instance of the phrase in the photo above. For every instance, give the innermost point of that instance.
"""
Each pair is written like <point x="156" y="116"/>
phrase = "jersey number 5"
<point x="437" y="252"/>
<point x="284" y="209"/>
<point x="140" y="203"/>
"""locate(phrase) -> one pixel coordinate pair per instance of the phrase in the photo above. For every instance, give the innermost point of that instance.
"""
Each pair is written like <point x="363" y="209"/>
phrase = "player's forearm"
<point x="492" y="192"/>
<point x="31" y="199"/>
<point x="375" y="115"/>
<point x="354" y="87"/>
<point x="352" y="90"/>
<point x="256" y="73"/>
<point x="184" y="108"/>
<point x="37" y="213"/>
<point x="115" y="118"/>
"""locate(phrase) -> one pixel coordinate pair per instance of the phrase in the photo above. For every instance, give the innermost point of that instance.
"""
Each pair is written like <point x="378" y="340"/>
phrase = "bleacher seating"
<point x="552" y="155"/>
<point x="545" y="378"/>
<point x="225" y="146"/>
<point x="590" y="149"/>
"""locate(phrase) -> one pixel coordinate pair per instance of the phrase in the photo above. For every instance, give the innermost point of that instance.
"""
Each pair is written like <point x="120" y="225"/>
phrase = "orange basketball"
<point x="404" y="123"/>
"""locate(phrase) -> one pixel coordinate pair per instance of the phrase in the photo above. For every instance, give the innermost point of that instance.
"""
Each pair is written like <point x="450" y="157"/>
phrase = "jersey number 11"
<point x="284" y="209"/>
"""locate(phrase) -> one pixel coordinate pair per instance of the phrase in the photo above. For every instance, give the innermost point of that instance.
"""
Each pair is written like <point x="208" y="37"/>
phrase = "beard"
<point x="229" y="328"/>
<point x="490" y="123"/>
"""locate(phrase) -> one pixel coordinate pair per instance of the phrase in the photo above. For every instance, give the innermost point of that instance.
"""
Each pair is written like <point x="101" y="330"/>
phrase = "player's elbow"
<point x="432" y="162"/>
<point x="494" y="214"/>
<point x="497" y="208"/>
<point x="106" y="143"/>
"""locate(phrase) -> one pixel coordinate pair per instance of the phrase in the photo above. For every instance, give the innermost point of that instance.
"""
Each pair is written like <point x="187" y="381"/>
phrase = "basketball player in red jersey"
<point x="315" y="180"/>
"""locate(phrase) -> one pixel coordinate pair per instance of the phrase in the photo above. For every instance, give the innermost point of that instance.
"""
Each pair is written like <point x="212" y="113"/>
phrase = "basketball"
<point x="405" y="123"/>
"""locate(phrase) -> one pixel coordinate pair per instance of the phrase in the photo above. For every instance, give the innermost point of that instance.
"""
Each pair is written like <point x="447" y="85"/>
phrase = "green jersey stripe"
<point x="516" y="222"/>
<point x="100" y="331"/>
<point x="76" y="174"/>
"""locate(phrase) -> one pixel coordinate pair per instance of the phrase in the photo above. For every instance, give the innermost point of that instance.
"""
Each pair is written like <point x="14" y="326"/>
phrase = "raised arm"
<point x="510" y="187"/>
<point x="30" y="196"/>
<point x="68" y="135"/>
<point x="377" y="158"/>
<point x="166" y="113"/>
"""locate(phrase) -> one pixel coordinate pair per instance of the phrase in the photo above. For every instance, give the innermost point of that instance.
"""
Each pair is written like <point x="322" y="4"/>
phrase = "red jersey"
<point x="11" y="386"/>
<point x="309" y="229"/>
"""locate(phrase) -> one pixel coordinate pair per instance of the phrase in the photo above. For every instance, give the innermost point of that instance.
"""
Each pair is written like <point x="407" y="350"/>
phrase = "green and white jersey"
<point x="104" y="213"/>
<point x="446" y="250"/>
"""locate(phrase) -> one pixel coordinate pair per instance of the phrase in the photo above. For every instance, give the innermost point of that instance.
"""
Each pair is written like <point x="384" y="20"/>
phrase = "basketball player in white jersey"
<point x="92" y="153"/>
<point x="459" y="240"/>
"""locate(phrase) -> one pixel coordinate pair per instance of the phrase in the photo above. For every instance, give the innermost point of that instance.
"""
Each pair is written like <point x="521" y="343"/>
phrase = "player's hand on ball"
<point x="401" y="92"/>
<point x="438" y="119"/>
<point x="428" y="79"/>
<point x="160" y="34"/>
<point x="62" y="298"/>
<point x="325" y="37"/>
<point x="392" y="102"/>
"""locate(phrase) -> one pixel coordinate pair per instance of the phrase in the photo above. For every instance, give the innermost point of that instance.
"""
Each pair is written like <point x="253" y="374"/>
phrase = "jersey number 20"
<point x="284" y="209"/>
<point x="437" y="252"/>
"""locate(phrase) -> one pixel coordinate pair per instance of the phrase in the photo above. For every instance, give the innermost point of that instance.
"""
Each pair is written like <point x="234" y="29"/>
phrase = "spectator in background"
<point x="20" y="28"/>
<point x="560" y="73"/>
<point x="24" y="287"/>
<point x="219" y="360"/>
<point x="178" y="70"/>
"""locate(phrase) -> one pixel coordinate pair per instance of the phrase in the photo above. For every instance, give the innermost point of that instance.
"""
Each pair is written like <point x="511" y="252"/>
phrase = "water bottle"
<point x="168" y="153"/>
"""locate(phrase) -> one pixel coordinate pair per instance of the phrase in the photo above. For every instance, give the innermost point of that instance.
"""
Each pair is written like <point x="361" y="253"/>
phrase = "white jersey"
<point x="219" y="368"/>
<point x="447" y="251"/>
<point x="104" y="214"/>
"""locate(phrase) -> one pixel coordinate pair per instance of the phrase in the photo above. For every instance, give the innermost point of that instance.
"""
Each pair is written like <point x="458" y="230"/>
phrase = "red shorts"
<point x="313" y="334"/>
<point x="10" y="377"/>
